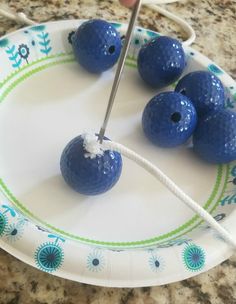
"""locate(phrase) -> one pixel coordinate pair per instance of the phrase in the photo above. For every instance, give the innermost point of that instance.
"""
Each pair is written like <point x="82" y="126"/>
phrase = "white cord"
<point x="22" y="18"/>
<point x="184" y="25"/>
<point x="18" y="17"/>
<point x="167" y="182"/>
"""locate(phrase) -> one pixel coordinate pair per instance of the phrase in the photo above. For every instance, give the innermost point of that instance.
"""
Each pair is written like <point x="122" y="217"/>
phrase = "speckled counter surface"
<point x="215" y="25"/>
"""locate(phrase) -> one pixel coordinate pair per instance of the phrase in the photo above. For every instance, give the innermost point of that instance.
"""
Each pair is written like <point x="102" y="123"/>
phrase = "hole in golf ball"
<point x="176" y="117"/>
<point x="111" y="49"/>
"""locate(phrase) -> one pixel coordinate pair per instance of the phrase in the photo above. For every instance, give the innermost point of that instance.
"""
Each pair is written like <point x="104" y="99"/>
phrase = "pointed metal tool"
<point x="120" y="68"/>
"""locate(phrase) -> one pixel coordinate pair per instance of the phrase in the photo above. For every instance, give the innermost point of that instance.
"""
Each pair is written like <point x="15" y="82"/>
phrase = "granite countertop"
<point x="215" y="25"/>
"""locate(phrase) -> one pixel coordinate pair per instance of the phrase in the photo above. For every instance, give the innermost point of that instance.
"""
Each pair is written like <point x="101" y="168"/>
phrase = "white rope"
<point x="22" y="18"/>
<point x="168" y="183"/>
<point x="18" y="17"/>
<point x="183" y="24"/>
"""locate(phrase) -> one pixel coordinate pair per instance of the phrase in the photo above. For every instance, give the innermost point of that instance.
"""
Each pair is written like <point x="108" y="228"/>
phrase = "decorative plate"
<point x="137" y="234"/>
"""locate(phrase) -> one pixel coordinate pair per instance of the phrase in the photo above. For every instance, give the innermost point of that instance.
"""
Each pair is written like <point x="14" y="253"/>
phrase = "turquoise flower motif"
<point x="116" y="25"/>
<point x="214" y="69"/>
<point x="95" y="261"/>
<point x="4" y="219"/>
<point x="152" y="34"/>
<point x="44" y="42"/>
<point x="49" y="257"/>
<point x="14" y="232"/>
<point x="38" y="28"/>
<point x="14" y="56"/>
<point x="194" y="257"/>
<point x="156" y="263"/>
<point x="3" y="42"/>
<point x="57" y="238"/>
<point x="229" y="199"/>
<point x="42" y="39"/>
<point x="3" y="223"/>
<point x="9" y="209"/>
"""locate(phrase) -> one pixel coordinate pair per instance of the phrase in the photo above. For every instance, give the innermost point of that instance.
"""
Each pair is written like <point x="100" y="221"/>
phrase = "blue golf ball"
<point x="204" y="89"/>
<point x="161" y="61"/>
<point x="215" y="137"/>
<point x="89" y="176"/>
<point x="169" y="119"/>
<point x="96" y="45"/>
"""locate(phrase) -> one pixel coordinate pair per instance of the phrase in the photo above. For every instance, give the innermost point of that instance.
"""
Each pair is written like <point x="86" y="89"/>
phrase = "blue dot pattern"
<point x="194" y="257"/>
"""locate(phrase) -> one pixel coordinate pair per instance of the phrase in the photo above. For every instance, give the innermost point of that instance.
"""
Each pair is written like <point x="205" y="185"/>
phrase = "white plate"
<point x="138" y="233"/>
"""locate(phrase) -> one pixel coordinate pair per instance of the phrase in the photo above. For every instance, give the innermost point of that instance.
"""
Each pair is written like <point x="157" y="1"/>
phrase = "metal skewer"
<point x="120" y="68"/>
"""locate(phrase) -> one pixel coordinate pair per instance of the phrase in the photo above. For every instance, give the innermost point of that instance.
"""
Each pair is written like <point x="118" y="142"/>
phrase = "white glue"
<point x="92" y="146"/>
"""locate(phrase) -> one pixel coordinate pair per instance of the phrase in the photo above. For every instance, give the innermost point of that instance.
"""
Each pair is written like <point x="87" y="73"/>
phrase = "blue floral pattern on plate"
<point x="95" y="261"/>
<point x="49" y="256"/>
<point x="194" y="257"/>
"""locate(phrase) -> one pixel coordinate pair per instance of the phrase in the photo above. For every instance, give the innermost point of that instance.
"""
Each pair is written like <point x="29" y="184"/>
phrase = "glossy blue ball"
<point x="96" y="45"/>
<point x="161" y="61"/>
<point x="89" y="176"/>
<point x="169" y="119"/>
<point x="204" y="89"/>
<point x="215" y="137"/>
